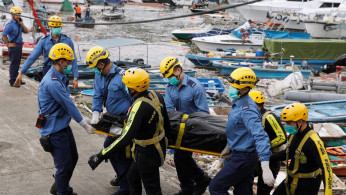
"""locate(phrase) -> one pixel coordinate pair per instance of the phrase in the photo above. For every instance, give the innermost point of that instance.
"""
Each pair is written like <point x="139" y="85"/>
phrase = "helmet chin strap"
<point x="103" y="68"/>
<point x="64" y="68"/>
<point x="298" y="127"/>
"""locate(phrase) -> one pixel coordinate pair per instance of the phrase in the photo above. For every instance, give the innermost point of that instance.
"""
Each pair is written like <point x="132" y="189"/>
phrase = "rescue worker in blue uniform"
<point x="110" y="91"/>
<point x="55" y="104"/>
<point x="187" y="95"/>
<point x="12" y="36"/>
<point x="277" y="136"/>
<point x="43" y="47"/>
<point x="246" y="140"/>
<point x="309" y="159"/>
<point x="146" y="127"/>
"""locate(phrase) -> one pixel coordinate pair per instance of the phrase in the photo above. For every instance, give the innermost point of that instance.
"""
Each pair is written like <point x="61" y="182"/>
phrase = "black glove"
<point x="95" y="160"/>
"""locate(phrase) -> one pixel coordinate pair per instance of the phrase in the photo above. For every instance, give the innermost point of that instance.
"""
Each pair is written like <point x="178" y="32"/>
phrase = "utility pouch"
<point x="40" y="121"/>
<point x="46" y="145"/>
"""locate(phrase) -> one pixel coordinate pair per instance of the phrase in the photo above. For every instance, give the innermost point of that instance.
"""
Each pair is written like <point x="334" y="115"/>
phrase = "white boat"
<point x="258" y="11"/>
<point x="296" y="11"/>
<point x="326" y="22"/>
<point x="185" y="32"/>
<point x="183" y="2"/>
<point x="212" y="43"/>
<point x="325" y="29"/>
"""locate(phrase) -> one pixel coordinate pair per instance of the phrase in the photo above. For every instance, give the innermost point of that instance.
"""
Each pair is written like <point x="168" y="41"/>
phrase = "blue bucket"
<point x="259" y="53"/>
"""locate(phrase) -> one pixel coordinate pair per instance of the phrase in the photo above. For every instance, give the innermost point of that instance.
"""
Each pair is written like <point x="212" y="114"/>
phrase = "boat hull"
<point x="321" y="30"/>
<point x="261" y="73"/>
<point x="212" y="47"/>
<point x="206" y="62"/>
<point x="85" y="23"/>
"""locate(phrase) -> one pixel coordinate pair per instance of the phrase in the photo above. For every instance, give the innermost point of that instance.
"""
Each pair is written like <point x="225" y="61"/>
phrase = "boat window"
<point x="328" y="5"/>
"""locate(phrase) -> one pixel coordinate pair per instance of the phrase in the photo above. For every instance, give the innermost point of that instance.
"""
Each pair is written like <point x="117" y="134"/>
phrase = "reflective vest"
<point x="290" y="189"/>
<point x="280" y="134"/>
<point x="159" y="133"/>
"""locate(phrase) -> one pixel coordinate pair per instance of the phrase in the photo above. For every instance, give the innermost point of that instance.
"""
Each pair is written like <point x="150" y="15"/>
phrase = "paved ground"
<point x="26" y="169"/>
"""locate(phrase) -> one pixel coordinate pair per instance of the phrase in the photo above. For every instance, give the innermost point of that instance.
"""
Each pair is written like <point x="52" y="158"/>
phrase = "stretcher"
<point x="169" y="146"/>
<point x="195" y="132"/>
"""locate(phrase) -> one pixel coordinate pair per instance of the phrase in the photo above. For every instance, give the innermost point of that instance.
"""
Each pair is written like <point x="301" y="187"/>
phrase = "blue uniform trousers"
<point x="65" y="157"/>
<point x="15" y="57"/>
<point x="237" y="172"/>
<point x="187" y="170"/>
<point x="121" y="166"/>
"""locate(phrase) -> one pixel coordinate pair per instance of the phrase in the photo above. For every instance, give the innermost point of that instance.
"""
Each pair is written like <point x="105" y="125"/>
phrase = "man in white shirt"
<point x="244" y="29"/>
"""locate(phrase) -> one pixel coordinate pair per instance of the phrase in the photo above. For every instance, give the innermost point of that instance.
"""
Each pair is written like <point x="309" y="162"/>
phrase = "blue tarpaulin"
<point x="113" y="1"/>
<point x="286" y="35"/>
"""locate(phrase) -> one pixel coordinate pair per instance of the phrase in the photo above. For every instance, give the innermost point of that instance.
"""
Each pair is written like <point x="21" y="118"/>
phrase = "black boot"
<point x="202" y="185"/>
<point x="115" y="181"/>
<point x="53" y="189"/>
<point x="181" y="192"/>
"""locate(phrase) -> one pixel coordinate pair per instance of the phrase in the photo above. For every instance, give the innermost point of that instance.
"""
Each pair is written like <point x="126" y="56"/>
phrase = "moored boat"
<point x="85" y="23"/>
<point x="324" y="111"/>
<point x="204" y="61"/>
<point x="226" y="68"/>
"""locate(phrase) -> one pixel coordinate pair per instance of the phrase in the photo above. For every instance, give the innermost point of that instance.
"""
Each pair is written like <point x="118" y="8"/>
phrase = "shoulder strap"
<point x="299" y="150"/>
<point x="264" y="117"/>
<point x="15" y="38"/>
<point x="111" y="76"/>
<point x="191" y="83"/>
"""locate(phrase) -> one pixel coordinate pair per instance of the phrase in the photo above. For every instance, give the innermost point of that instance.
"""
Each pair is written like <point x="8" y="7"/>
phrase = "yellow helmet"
<point x="137" y="79"/>
<point x="95" y="54"/>
<point x="61" y="50"/>
<point x="15" y="10"/>
<point x="167" y="65"/>
<point x="243" y="77"/>
<point x="294" y="112"/>
<point x="257" y="97"/>
<point x="55" y="21"/>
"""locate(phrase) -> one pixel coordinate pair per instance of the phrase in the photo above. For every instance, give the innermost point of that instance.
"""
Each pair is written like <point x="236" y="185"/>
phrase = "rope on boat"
<point x="145" y="21"/>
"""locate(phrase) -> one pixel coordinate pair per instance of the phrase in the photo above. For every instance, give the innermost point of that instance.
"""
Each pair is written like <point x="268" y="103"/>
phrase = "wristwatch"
<point x="75" y="78"/>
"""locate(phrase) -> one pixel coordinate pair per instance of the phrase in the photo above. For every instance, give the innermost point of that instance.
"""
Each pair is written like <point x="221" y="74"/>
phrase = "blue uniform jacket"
<point x="43" y="47"/>
<point x="118" y="100"/>
<point x="11" y="31"/>
<point x="244" y="129"/>
<point x="189" y="98"/>
<point x="53" y="92"/>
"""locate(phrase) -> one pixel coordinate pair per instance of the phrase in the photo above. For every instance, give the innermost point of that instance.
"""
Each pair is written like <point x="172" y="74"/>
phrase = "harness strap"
<point x="111" y="76"/>
<point x="305" y="175"/>
<point x="159" y="133"/>
<point x="291" y="190"/>
<point x="299" y="150"/>
<point x="181" y="131"/>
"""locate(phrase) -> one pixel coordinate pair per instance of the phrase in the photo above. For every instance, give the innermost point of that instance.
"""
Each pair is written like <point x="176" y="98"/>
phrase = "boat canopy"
<point x="117" y="42"/>
<point x="286" y="35"/>
<point x="113" y="2"/>
<point x="306" y="49"/>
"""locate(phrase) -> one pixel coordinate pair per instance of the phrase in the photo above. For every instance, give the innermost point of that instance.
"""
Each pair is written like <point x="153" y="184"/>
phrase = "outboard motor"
<point x="138" y="61"/>
<point x="305" y="65"/>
